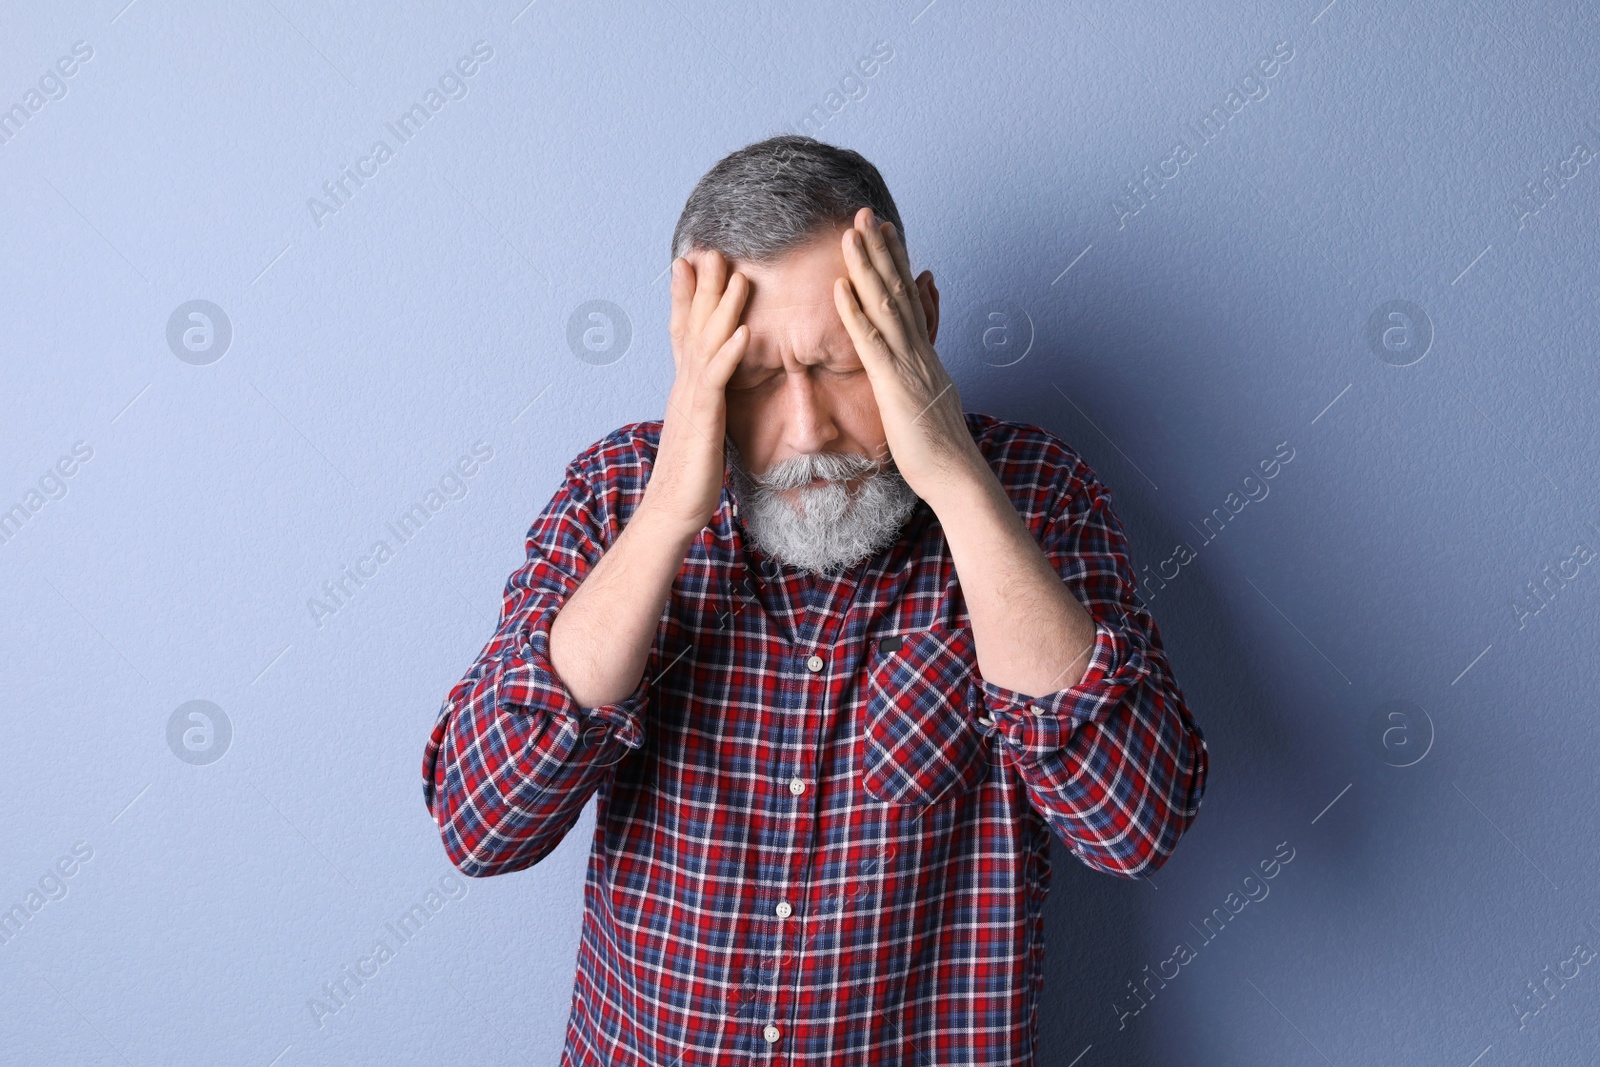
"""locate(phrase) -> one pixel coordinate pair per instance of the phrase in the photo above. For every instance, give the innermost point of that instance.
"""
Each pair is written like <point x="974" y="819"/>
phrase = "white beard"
<point x="824" y="529"/>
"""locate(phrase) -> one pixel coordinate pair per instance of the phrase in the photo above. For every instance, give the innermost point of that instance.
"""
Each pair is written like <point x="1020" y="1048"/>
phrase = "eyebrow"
<point x="832" y="343"/>
<point x="755" y="312"/>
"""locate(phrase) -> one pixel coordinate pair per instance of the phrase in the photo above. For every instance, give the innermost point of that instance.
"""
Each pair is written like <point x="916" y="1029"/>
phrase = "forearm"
<point x="505" y="785"/>
<point x="600" y="639"/>
<point x="1083" y="702"/>
<point x="1029" y="632"/>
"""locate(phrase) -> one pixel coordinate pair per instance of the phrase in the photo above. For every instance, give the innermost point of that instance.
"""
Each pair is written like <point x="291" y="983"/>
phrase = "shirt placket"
<point x="808" y="674"/>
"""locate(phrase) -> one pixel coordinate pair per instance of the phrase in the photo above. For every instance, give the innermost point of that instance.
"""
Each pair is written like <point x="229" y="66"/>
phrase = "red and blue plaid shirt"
<point x="821" y="836"/>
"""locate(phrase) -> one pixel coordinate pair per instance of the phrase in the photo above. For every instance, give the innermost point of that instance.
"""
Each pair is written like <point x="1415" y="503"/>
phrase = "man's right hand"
<point x="707" y="343"/>
<point x="601" y="638"/>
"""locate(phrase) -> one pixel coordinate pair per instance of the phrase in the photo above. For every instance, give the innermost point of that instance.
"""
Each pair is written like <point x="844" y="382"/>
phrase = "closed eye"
<point x="747" y="385"/>
<point x="750" y="387"/>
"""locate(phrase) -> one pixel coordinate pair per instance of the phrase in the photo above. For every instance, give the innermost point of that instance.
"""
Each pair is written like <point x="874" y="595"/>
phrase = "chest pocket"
<point x="919" y="744"/>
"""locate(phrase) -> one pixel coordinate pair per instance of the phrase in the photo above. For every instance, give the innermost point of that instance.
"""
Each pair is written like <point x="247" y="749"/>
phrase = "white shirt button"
<point x="784" y="909"/>
<point x="1036" y="709"/>
<point x="796" y="786"/>
<point x="987" y="720"/>
<point x="771" y="1034"/>
<point x="814" y="664"/>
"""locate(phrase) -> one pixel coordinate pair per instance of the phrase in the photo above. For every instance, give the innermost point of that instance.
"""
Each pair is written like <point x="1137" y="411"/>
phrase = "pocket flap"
<point x="918" y="744"/>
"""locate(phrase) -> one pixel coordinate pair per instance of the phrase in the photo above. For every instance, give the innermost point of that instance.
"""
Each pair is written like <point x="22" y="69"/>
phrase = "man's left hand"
<point x="918" y="404"/>
<point x="1025" y="621"/>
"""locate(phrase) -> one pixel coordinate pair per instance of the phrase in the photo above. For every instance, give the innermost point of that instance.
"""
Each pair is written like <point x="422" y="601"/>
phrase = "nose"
<point x="811" y="426"/>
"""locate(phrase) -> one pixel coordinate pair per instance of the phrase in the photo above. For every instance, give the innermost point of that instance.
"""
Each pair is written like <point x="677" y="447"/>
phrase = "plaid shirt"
<point x="821" y="836"/>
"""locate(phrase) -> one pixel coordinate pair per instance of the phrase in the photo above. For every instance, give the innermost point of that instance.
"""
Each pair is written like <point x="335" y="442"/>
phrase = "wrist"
<point x="970" y="484"/>
<point x="661" y="524"/>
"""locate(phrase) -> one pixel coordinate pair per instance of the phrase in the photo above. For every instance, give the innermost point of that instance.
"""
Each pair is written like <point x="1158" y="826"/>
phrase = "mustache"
<point x="799" y="470"/>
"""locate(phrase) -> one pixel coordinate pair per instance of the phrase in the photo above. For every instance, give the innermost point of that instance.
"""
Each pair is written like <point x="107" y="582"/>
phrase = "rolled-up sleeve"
<point x="1115" y="763"/>
<point x="513" y="758"/>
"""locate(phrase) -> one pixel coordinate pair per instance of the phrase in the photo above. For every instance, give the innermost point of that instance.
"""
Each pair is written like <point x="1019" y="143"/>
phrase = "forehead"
<point x="791" y="299"/>
<point x="797" y="287"/>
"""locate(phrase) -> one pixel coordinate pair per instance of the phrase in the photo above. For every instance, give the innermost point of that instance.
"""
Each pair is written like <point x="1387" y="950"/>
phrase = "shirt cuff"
<point x="1035" y="727"/>
<point x="530" y="680"/>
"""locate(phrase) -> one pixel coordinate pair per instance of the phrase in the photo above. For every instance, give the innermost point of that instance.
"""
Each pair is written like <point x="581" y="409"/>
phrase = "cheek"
<point x="856" y="408"/>
<point x="755" y="424"/>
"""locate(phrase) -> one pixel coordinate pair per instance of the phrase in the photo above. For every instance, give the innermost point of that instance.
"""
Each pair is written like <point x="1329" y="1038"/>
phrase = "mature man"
<point x="835" y="657"/>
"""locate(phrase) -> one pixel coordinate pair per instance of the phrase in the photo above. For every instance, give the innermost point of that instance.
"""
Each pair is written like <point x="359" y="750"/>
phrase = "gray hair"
<point x="772" y="196"/>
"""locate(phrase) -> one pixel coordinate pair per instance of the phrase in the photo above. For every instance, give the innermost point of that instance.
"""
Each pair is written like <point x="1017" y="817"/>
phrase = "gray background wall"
<point x="1381" y="691"/>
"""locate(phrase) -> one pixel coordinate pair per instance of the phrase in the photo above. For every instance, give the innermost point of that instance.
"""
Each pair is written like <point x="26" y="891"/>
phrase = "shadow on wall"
<point x="1102" y="932"/>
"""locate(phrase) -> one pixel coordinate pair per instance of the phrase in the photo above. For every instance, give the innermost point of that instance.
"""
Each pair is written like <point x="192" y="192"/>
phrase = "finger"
<point x="682" y="289"/>
<point x="902" y="264"/>
<point x="866" y="337"/>
<point x="711" y="276"/>
<point x="880" y="261"/>
<point x="722" y="364"/>
<point x="725" y="317"/>
<point x="872" y="297"/>
<point x="888" y="268"/>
